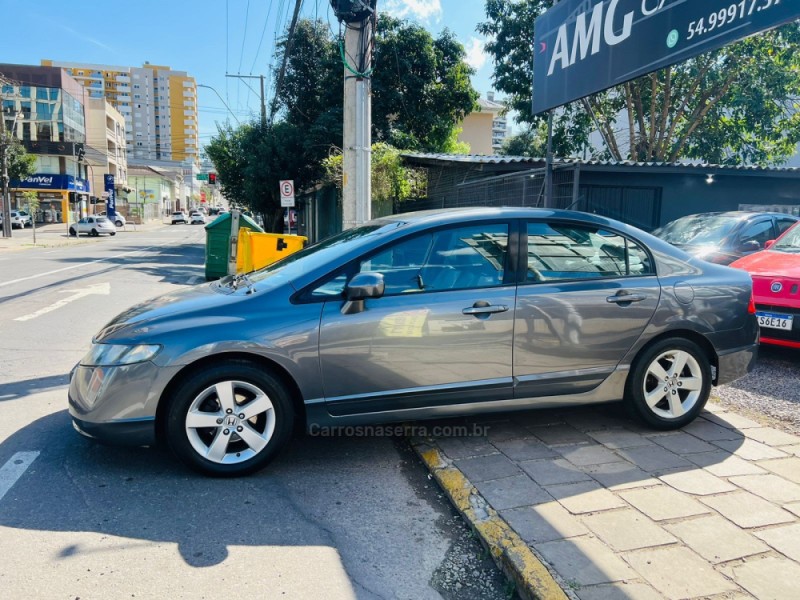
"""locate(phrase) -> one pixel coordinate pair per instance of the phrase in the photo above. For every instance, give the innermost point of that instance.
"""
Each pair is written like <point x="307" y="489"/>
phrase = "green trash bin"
<point x="218" y="247"/>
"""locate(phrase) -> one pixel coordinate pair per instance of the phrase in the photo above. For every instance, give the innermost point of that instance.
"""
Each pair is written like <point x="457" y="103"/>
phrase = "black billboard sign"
<point x="586" y="46"/>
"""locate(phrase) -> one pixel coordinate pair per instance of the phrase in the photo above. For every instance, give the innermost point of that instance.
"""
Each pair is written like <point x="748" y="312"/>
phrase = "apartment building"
<point x="158" y="103"/>
<point x="485" y="129"/>
<point x="105" y="132"/>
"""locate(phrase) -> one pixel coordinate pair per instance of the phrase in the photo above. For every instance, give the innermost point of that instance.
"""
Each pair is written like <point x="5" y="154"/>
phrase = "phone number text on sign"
<point x="728" y="16"/>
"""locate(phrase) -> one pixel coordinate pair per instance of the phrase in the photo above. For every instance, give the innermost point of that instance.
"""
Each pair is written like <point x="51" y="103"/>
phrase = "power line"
<point x="260" y="41"/>
<point x="287" y="51"/>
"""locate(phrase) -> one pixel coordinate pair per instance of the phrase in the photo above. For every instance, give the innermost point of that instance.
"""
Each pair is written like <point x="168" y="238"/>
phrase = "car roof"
<point x="453" y="215"/>
<point x="740" y="214"/>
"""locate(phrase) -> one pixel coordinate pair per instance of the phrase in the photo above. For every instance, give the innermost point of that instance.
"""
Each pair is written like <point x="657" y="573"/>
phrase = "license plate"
<point x="775" y="321"/>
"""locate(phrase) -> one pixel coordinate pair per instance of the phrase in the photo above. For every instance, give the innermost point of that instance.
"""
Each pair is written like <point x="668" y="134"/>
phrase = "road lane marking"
<point x="14" y="469"/>
<point x="91" y="262"/>
<point x="101" y="289"/>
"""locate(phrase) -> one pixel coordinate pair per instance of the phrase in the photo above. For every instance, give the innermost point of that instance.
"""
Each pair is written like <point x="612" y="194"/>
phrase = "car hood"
<point x="770" y="264"/>
<point x="197" y="306"/>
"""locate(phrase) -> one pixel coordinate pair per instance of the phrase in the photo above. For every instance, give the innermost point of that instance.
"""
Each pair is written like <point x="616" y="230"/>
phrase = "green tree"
<point x="421" y="114"/>
<point x="420" y="85"/>
<point x="735" y="105"/>
<point x="20" y="163"/>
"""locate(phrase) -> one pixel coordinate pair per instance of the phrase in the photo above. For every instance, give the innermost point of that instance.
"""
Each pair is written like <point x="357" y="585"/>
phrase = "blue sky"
<point x="207" y="38"/>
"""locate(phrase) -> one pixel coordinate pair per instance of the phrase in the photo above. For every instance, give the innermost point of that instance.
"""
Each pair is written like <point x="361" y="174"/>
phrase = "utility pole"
<point x="549" y="202"/>
<point x="357" y="161"/>
<point x="263" y="101"/>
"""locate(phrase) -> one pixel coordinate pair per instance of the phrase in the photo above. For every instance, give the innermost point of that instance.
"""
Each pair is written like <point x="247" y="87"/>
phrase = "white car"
<point x="119" y="220"/>
<point x="197" y="218"/>
<point x="19" y="218"/>
<point x="179" y="217"/>
<point x="93" y="225"/>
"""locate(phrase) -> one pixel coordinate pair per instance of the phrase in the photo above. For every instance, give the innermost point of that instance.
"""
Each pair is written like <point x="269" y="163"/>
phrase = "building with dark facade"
<point x="49" y="107"/>
<point x="646" y="195"/>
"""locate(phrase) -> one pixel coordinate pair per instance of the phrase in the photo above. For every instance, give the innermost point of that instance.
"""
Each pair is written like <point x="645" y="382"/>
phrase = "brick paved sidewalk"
<point x="619" y="511"/>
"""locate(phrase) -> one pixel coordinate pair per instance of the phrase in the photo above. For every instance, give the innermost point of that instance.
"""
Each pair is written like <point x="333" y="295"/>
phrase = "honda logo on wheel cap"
<point x="230" y="421"/>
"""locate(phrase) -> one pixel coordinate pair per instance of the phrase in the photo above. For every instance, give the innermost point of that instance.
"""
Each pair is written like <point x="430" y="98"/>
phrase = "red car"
<point x="776" y="288"/>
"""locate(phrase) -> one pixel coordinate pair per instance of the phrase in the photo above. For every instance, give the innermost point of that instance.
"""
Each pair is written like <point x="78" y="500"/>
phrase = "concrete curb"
<point x="532" y="578"/>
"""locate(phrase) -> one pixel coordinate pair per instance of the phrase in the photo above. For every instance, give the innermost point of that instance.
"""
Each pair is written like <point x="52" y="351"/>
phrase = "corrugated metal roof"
<point x="508" y="160"/>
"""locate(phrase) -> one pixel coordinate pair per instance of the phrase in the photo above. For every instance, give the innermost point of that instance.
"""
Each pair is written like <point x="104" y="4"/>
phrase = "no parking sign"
<point x="287" y="193"/>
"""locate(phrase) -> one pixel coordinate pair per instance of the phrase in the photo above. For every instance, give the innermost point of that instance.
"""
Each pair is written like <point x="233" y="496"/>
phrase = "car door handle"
<point x="626" y="298"/>
<point x="482" y="308"/>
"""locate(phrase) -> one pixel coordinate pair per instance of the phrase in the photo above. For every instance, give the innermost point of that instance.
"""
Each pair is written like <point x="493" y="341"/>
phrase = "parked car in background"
<point x="722" y="237"/>
<point x="413" y="316"/>
<point x="119" y="220"/>
<point x="776" y="288"/>
<point x="93" y="225"/>
<point x="20" y="219"/>
<point x="197" y="218"/>
<point x="179" y="217"/>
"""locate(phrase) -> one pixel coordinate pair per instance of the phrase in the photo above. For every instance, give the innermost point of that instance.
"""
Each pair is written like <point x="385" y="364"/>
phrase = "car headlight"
<point x="114" y="355"/>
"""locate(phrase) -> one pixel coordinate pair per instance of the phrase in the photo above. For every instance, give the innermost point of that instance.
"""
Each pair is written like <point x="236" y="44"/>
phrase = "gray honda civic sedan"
<point x="418" y="316"/>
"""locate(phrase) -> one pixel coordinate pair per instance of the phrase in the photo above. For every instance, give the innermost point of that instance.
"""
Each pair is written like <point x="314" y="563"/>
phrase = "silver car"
<point x="418" y="316"/>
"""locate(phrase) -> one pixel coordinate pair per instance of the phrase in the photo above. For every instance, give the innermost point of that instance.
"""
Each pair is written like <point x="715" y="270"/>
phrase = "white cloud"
<point x="476" y="57"/>
<point x="422" y="10"/>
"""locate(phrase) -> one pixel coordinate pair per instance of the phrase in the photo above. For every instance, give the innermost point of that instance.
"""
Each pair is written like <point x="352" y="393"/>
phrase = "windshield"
<point x="790" y="242"/>
<point x="697" y="230"/>
<point x="322" y="253"/>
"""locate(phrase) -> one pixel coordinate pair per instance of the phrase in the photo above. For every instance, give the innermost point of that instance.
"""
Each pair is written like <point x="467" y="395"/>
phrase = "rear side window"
<point x="559" y="252"/>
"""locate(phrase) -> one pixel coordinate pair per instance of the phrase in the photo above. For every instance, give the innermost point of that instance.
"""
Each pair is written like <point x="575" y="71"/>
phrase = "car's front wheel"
<point x="112" y="233"/>
<point x="669" y="383"/>
<point x="229" y="420"/>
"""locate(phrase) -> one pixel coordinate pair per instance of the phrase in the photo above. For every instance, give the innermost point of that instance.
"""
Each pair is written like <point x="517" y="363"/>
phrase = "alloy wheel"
<point x="673" y="384"/>
<point x="230" y="422"/>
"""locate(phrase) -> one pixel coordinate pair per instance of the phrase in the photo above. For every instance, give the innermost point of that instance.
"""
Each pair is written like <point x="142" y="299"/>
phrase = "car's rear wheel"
<point x="72" y="232"/>
<point x="94" y="233"/>
<point x="669" y="383"/>
<point x="229" y="420"/>
<point x="119" y="223"/>
<point x="112" y="233"/>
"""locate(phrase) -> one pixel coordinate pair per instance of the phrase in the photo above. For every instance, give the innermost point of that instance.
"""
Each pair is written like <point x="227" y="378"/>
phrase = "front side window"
<point x="451" y="259"/>
<point x="760" y="232"/>
<point x="559" y="252"/>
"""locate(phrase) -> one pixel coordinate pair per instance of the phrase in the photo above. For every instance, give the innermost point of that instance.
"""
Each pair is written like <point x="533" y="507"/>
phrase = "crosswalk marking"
<point x="14" y="469"/>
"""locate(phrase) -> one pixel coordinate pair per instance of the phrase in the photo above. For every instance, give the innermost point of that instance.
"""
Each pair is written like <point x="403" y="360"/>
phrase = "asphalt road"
<point x="332" y="517"/>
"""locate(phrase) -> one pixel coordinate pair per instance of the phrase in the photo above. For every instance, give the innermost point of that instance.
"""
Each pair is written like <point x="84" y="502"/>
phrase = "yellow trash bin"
<point x="257" y="250"/>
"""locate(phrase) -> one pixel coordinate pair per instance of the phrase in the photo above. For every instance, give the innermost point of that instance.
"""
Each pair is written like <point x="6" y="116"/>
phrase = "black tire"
<point x="119" y="224"/>
<point x="675" y="398"/>
<point x="94" y="233"/>
<point x="112" y="233"/>
<point x="72" y="232"/>
<point x="192" y="445"/>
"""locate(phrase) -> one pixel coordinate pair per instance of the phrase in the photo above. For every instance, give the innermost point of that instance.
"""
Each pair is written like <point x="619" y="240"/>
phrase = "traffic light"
<point x="80" y="152"/>
<point x="212" y="179"/>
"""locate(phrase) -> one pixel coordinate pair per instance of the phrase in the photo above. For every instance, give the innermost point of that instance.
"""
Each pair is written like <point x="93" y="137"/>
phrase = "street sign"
<point x="287" y="193"/>
<point x="202" y="177"/>
<point x="582" y="47"/>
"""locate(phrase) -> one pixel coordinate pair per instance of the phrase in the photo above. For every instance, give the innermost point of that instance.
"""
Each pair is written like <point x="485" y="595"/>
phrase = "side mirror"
<point x="769" y="244"/>
<point x="361" y="287"/>
<point x="749" y="246"/>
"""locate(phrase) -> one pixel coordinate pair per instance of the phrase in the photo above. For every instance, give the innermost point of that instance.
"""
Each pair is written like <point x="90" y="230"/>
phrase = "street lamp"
<point x="5" y="141"/>
<point x="221" y="100"/>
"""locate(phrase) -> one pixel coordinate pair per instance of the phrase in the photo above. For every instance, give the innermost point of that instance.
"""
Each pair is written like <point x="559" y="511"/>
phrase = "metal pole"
<point x="548" y="165"/>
